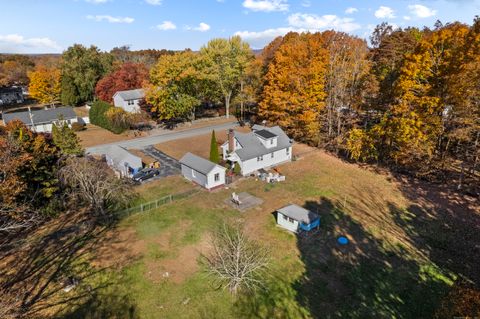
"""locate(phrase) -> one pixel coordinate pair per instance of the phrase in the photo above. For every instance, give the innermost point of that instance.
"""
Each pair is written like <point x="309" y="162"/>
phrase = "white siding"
<point x="268" y="143"/>
<point x="47" y="128"/>
<point x="132" y="106"/>
<point x="287" y="223"/>
<point x="254" y="164"/>
<point x="207" y="181"/>
<point x="211" y="183"/>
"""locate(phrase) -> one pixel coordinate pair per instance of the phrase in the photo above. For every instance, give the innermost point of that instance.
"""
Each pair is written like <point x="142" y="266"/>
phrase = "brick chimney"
<point x="231" y="140"/>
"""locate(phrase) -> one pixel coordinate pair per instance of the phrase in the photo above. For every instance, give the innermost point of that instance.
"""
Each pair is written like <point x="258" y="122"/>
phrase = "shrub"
<point x="236" y="169"/>
<point x="104" y="115"/>
<point x="77" y="127"/>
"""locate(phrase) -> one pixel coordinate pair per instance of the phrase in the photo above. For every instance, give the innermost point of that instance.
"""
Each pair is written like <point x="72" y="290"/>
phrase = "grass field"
<point x="408" y="244"/>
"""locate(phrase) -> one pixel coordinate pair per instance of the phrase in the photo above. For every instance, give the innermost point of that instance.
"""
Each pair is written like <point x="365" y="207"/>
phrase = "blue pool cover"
<point x="342" y="240"/>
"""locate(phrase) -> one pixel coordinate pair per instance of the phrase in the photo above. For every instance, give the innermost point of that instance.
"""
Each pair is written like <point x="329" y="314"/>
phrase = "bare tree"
<point x="237" y="263"/>
<point x="92" y="181"/>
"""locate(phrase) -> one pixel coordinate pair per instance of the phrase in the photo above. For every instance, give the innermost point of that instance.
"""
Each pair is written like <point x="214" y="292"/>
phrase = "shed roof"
<point x="198" y="163"/>
<point x="41" y="116"/>
<point x="298" y="213"/>
<point x="120" y="155"/>
<point x="129" y="95"/>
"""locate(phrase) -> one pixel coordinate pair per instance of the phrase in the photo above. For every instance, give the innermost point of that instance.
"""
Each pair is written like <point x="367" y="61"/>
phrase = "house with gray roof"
<point x="122" y="161"/>
<point x="296" y="218"/>
<point x="42" y="121"/>
<point x="129" y="100"/>
<point x="262" y="148"/>
<point x="203" y="172"/>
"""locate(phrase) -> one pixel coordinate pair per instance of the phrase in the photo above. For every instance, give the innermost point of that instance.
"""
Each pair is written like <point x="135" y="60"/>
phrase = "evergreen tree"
<point x="66" y="140"/>
<point x="214" y="156"/>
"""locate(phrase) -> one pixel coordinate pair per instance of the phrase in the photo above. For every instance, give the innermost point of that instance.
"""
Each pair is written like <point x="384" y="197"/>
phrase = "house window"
<point x="271" y="141"/>
<point x="272" y="155"/>
<point x="131" y="102"/>
<point x="291" y="220"/>
<point x="285" y="217"/>
<point x="288" y="151"/>
<point x="260" y="158"/>
<point x="193" y="173"/>
<point x="216" y="177"/>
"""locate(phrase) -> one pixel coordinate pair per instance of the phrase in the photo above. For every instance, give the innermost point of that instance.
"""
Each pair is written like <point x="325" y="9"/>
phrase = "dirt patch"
<point x="198" y="145"/>
<point x="182" y="266"/>
<point x="120" y="247"/>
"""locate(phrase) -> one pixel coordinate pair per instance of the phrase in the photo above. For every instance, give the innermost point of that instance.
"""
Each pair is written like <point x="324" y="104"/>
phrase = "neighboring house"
<point x="262" y="148"/>
<point x="122" y="161"/>
<point x="203" y="172"/>
<point x="11" y="95"/>
<point x="41" y="121"/>
<point x="129" y="100"/>
<point x="295" y="218"/>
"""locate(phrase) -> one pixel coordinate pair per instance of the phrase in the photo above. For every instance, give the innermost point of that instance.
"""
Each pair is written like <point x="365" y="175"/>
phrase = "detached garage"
<point x="203" y="172"/>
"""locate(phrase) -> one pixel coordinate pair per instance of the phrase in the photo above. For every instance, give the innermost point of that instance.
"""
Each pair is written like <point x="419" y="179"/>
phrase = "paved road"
<point x="142" y="142"/>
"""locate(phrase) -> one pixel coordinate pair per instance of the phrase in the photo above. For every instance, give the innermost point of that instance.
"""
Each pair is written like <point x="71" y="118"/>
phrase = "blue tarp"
<point x="312" y="225"/>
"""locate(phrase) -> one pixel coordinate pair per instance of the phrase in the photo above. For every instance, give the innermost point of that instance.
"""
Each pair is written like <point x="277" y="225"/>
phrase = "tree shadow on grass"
<point x="367" y="278"/>
<point x="56" y="258"/>
<point x="443" y="225"/>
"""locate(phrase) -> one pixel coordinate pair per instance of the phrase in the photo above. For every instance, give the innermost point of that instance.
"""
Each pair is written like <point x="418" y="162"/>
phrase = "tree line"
<point x="410" y="102"/>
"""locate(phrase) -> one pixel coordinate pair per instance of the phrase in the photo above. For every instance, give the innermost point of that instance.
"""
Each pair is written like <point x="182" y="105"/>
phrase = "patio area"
<point x="243" y="201"/>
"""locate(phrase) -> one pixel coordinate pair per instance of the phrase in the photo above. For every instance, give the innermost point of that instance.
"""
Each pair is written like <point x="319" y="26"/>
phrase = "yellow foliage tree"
<point x="45" y="84"/>
<point x="294" y="94"/>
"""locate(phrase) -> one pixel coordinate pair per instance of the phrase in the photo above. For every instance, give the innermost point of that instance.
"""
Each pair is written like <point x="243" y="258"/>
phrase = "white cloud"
<point x="421" y="11"/>
<point x="351" y="10"/>
<point x="97" y="1"/>
<point x="202" y="27"/>
<point x="110" y="19"/>
<point x="14" y="43"/>
<point x="406" y="18"/>
<point x="384" y="12"/>
<point x="299" y="23"/>
<point x="314" y="23"/>
<point x="266" y="5"/>
<point x="154" y="2"/>
<point x="166" y="25"/>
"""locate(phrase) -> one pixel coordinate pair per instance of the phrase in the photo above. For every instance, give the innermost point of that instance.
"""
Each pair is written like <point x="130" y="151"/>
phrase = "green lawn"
<point x="385" y="272"/>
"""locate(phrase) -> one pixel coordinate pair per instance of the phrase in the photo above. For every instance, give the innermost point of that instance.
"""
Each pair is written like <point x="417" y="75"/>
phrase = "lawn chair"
<point x="236" y="199"/>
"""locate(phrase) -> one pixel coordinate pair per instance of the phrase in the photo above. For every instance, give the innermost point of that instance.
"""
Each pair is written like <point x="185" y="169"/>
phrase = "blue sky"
<point x="50" y="26"/>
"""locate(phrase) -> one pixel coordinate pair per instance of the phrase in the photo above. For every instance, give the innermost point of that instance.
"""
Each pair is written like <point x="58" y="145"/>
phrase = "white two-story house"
<point x="129" y="100"/>
<point x="264" y="147"/>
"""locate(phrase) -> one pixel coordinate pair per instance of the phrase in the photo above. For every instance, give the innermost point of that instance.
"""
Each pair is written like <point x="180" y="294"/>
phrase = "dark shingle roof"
<point x="298" y="213"/>
<point x="265" y="134"/>
<point x="41" y="116"/>
<point x="131" y="94"/>
<point x="198" y="163"/>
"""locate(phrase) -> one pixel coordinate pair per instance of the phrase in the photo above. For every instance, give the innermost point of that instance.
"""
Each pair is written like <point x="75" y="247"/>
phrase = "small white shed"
<point x="203" y="172"/>
<point x="295" y="218"/>
<point x="129" y="100"/>
<point x="122" y="161"/>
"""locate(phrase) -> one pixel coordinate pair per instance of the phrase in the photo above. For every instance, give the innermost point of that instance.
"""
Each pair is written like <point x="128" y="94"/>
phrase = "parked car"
<point x="145" y="174"/>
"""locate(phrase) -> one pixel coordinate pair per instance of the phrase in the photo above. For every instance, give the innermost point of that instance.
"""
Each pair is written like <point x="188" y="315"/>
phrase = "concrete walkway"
<point x="142" y="142"/>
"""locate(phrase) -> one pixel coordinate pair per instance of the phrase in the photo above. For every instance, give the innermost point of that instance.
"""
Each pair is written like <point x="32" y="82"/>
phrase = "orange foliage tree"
<point x="129" y="76"/>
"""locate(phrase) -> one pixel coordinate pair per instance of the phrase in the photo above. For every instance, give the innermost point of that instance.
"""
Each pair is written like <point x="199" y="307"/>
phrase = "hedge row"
<point x="98" y="116"/>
